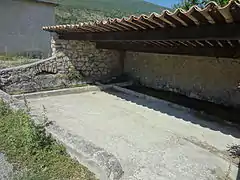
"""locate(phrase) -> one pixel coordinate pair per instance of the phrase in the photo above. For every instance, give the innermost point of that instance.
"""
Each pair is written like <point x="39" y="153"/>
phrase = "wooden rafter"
<point x="228" y="52"/>
<point x="207" y="32"/>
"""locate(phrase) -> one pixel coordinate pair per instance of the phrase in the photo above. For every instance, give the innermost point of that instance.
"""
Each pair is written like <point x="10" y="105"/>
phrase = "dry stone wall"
<point x="72" y="63"/>
<point x="92" y="63"/>
<point x="213" y="79"/>
<point x="44" y="74"/>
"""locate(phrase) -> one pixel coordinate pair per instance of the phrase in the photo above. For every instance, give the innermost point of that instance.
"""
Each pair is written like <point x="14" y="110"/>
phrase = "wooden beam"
<point x="205" y="32"/>
<point x="228" y="52"/>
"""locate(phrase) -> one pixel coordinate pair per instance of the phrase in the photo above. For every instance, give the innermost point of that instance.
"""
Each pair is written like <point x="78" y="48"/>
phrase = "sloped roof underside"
<point x="206" y="30"/>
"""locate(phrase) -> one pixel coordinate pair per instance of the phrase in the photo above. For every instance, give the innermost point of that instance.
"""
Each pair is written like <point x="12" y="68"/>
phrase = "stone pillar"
<point x="92" y="63"/>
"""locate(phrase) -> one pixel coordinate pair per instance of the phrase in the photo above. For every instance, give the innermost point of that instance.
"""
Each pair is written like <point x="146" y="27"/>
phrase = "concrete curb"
<point x="123" y="84"/>
<point x="103" y="164"/>
<point x="58" y="92"/>
<point x="13" y="102"/>
<point x="147" y="97"/>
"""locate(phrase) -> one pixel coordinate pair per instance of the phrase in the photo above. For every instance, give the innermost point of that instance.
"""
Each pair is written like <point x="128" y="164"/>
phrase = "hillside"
<point x="76" y="11"/>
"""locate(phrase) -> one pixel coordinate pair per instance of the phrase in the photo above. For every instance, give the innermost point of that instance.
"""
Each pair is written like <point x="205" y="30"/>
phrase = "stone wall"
<point x="212" y="79"/>
<point x="44" y="74"/>
<point x="92" y="63"/>
<point x="72" y="63"/>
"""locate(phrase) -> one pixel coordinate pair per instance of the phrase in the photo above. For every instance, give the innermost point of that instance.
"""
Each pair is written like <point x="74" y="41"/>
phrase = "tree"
<point x="186" y="4"/>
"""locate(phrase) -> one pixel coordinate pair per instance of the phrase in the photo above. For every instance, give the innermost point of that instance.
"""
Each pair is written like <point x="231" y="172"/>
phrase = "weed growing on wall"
<point x="73" y="74"/>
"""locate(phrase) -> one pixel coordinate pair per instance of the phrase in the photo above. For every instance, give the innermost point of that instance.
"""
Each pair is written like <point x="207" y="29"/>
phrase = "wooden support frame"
<point x="206" y="32"/>
<point x="227" y="52"/>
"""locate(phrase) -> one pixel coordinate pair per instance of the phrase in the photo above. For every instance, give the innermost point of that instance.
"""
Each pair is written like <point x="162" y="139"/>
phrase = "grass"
<point x="33" y="153"/>
<point x="12" y="61"/>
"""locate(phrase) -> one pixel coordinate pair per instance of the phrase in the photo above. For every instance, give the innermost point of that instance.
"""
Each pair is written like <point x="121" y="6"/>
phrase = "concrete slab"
<point x="152" y="140"/>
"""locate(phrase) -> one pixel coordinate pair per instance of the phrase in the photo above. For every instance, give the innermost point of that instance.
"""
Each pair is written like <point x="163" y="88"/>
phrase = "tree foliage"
<point x="186" y="4"/>
<point x="77" y="11"/>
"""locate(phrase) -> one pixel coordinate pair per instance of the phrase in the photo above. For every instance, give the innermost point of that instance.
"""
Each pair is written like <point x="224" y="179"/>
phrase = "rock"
<point x="6" y="169"/>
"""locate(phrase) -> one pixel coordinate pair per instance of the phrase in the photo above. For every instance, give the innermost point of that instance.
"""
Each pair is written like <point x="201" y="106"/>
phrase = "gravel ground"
<point x="6" y="169"/>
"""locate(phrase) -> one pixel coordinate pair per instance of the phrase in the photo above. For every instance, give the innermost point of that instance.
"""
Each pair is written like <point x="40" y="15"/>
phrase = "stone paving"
<point x="151" y="139"/>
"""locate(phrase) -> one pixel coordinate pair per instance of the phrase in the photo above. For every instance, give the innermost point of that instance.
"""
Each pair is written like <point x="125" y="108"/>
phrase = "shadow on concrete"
<point x="223" y="112"/>
<point x="194" y="117"/>
<point x="205" y="121"/>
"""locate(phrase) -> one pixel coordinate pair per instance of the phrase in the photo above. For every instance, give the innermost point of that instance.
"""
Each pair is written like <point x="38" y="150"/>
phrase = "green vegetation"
<point x="186" y="4"/>
<point x="33" y="153"/>
<point x="12" y="61"/>
<point x="130" y="6"/>
<point x="73" y="74"/>
<point x="77" y="11"/>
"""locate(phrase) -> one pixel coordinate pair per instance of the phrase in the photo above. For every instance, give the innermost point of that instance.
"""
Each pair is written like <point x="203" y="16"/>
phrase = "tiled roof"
<point x="195" y="16"/>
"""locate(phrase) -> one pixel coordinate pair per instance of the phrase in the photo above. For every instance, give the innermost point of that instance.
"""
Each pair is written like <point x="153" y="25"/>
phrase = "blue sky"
<point x="166" y="3"/>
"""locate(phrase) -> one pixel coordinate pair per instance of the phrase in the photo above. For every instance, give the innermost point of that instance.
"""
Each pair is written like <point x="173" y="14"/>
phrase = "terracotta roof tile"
<point x="195" y="16"/>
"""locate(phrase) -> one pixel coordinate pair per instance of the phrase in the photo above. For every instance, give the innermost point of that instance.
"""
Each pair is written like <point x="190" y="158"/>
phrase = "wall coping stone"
<point x="27" y="65"/>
